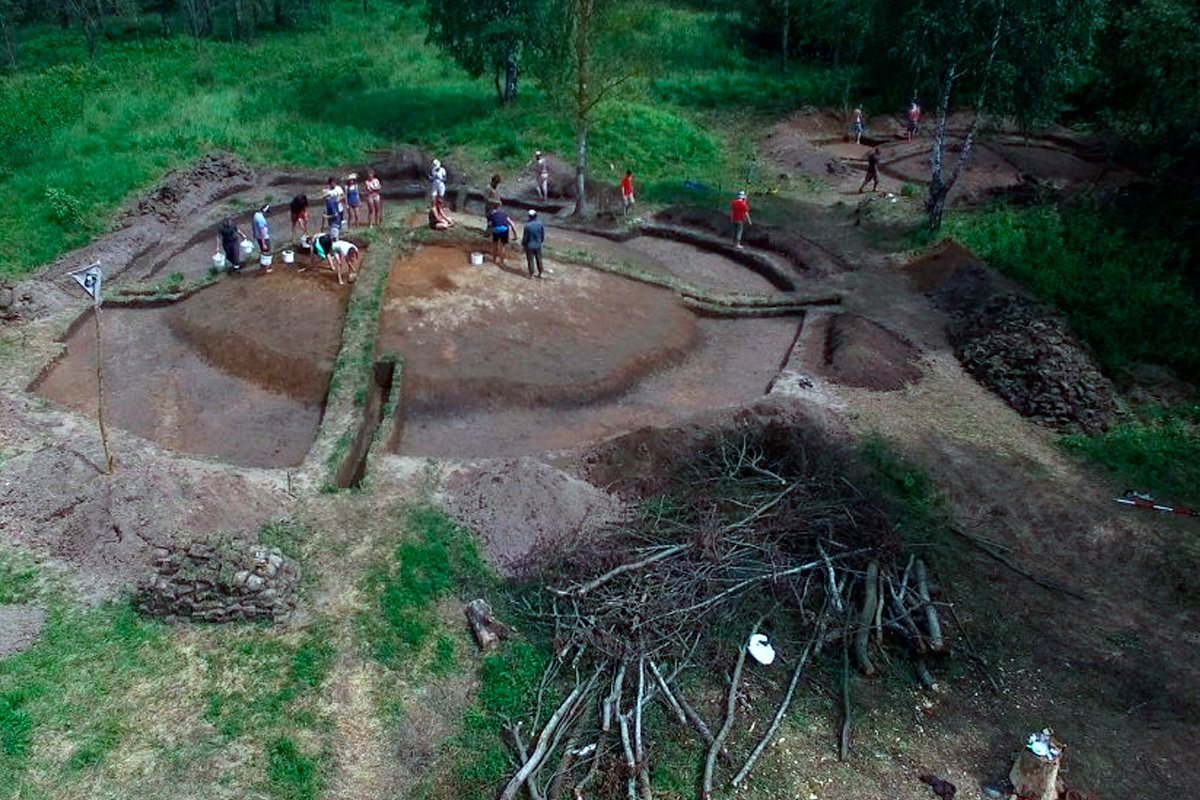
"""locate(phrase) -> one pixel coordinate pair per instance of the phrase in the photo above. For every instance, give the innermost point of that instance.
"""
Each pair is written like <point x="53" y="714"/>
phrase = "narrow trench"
<point x="354" y="467"/>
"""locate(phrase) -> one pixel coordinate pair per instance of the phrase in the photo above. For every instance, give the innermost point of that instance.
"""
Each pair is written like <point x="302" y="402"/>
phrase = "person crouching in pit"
<point x="344" y="258"/>
<point x="439" y="220"/>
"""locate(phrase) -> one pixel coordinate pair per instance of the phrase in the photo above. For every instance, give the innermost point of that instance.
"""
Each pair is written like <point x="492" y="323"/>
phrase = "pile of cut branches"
<point x="763" y="532"/>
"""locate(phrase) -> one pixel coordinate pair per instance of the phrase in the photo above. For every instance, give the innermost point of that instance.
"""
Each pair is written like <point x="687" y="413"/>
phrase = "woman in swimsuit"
<point x="374" y="199"/>
<point x="353" y="201"/>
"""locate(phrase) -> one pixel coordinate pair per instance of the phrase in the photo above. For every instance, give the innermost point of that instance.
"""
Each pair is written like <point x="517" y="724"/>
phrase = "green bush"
<point x="1124" y="294"/>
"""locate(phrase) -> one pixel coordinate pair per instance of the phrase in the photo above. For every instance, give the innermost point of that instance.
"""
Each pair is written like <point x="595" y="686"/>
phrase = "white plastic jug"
<point x="218" y="260"/>
<point x="247" y="247"/>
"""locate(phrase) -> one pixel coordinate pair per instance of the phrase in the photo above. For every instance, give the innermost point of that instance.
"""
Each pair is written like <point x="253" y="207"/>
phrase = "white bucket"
<point x="264" y="260"/>
<point x="288" y="256"/>
<point x="247" y="247"/>
<point x="476" y="259"/>
<point x="218" y="260"/>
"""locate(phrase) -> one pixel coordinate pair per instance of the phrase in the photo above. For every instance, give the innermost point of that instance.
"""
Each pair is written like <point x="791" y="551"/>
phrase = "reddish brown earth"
<point x="498" y="364"/>
<point x="237" y="371"/>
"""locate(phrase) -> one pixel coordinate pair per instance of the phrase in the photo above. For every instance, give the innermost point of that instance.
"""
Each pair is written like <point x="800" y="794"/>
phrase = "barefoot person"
<point x="439" y="220"/>
<point x="332" y="218"/>
<point x="491" y="197"/>
<point x="627" y="192"/>
<point x="541" y="169"/>
<point x="502" y="228"/>
<point x="353" y="200"/>
<point x="872" y="171"/>
<point x="229" y="240"/>
<point x="857" y="127"/>
<point x="344" y="256"/>
<point x="374" y="199"/>
<point x="532" y="239"/>
<point x="437" y="180"/>
<point x="299" y="211"/>
<point x="739" y="214"/>
<point x="262" y="234"/>
<point x="339" y="195"/>
<point x="914" y="119"/>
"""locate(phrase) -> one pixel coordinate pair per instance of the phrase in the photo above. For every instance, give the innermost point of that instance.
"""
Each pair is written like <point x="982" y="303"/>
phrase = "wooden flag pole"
<point x="108" y="458"/>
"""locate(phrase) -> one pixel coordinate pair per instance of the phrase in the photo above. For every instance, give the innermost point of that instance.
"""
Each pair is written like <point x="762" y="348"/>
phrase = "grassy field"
<point x="82" y="137"/>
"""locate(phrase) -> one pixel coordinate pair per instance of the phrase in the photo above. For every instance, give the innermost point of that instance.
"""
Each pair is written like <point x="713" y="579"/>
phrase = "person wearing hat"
<point x="437" y="180"/>
<point x="532" y="240"/>
<point x="739" y="214"/>
<point x="262" y="234"/>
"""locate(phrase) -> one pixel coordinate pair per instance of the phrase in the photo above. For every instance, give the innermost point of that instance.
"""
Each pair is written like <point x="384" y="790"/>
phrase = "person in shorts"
<point x="374" y="199"/>
<point x="491" y="196"/>
<point x="858" y="127"/>
<point x="344" y="255"/>
<point x="262" y="233"/>
<point x="541" y="169"/>
<point x="627" y="192"/>
<point x="353" y="199"/>
<point x="872" y="171"/>
<point x="914" y="119"/>
<point x="299" y="211"/>
<point x="332" y="216"/>
<point x="229" y="239"/>
<point x="502" y="229"/>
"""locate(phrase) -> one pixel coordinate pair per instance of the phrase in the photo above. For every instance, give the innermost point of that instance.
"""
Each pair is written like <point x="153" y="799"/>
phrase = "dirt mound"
<point x="405" y="164"/>
<point x="1027" y="354"/>
<point x="952" y="277"/>
<point x="519" y="506"/>
<point x="56" y="502"/>
<point x="19" y="627"/>
<point x="214" y="169"/>
<point x="805" y="255"/>
<point x="281" y="332"/>
<point x="863" y="353"/>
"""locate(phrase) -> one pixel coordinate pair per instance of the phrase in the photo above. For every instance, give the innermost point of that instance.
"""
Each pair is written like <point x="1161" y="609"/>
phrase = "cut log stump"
<point x="1034" y="777"/>
<point x="486" y="630"/>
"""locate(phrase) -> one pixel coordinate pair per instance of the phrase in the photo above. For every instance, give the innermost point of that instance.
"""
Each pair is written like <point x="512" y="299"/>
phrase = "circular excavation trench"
<point x="498" y="364"/>
<point x="237" y="371"/>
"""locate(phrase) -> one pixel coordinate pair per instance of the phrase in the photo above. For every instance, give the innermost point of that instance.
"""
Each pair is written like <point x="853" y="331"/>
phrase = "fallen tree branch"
<point x="932" y="623"/>
<point x="862" y="631"/>
<point x="1045" y="583"/>
<point x="727" y="725"/>
<point x="579" y="591"/>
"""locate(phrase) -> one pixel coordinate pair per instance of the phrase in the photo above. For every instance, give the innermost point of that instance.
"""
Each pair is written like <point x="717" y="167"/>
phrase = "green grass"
<point x="1124" y="293"/>
<point x="294" y="775"/>
<point x="433" y="560"/>
<point x="1159" y="453"/>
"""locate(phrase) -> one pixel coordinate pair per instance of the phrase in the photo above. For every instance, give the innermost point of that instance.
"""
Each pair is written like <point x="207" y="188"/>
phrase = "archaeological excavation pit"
<point x="238" y="371"/>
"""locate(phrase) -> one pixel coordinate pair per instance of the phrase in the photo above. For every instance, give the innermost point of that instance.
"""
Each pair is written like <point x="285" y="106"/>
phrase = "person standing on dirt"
<point x="230" y="239"/>
<point x="872" y="171"/>
<point x="353" y="200"/>
<point x="332" y="216"/>
<point x="858" y="127"/>
<point x="299" y="211"/>
<point x="739" y="214"/>
<point x="914" y="118"/>
<point x="374" y="199"/>
<point x="541" y="169"/>
<point x="491" y="197"/>
<point x="532" y="239"/>
<point x="437" y="180"/>
<point x="339" y="194"/>
<point x="502" y="229"/>
<point x="262" y="234"/>
<point x="627" y="200"/>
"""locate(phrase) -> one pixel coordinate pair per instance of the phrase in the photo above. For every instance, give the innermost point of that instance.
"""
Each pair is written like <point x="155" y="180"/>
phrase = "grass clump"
<point x="1159" y="453"/>
<point x="294" y="775"/>
<point x="434" y="558"/>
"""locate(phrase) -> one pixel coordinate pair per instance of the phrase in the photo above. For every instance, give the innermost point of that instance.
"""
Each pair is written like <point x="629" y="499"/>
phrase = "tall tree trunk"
<point x="581" y="133"/>
<point x="583" y="101"/>
<point x="10" y="49"/>
<point x="511" y="76"/>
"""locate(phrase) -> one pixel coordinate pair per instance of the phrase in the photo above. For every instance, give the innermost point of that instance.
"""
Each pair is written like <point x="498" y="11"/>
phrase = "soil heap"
<point x="1027" y="354"/>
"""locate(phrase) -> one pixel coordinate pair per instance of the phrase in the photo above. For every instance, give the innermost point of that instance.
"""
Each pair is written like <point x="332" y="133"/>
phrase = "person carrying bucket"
<point x="262" y="235"/>
<point x="229" y="239"/>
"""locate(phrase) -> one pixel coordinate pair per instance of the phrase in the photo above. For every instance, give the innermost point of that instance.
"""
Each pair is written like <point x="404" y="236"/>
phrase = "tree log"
<point x="484" y="628"/>
<point x="1034" y="778"/>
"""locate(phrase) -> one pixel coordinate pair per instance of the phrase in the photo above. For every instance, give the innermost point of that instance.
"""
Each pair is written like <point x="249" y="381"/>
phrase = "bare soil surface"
<point x="705" y="269"/>
<point x="20" y="625"/>
<point x="516" y="506"/>
<point x="237" y="371"/>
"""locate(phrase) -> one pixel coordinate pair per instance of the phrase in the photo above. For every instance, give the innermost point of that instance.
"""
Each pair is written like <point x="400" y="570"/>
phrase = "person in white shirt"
<point x="437" y="180"/>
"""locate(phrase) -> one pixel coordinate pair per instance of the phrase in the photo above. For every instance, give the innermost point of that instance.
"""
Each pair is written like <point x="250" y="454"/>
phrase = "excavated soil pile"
<point x="19" y="627"/>
<point x="164" y="201"/>
<point x="803" y="254"/>
<point x="237" y="371"/>
<point x="952" y="278"/>
<point x="474" y="336"/>
<point x="1027" y="354"/>
<point x="863" y="353"/>
<point x="520" y="506"/>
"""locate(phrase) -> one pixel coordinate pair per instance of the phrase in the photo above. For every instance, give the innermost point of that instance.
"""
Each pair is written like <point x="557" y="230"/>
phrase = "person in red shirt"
<point x="739" y="213"/>
<point x="627" y="191"/>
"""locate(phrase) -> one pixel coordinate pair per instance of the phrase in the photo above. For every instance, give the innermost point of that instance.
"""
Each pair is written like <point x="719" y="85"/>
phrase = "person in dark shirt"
<point x="532" y="239"/>
<point x="872" y="171"/>
<point x="502" y="228"/>
<point x="230" y="238"/>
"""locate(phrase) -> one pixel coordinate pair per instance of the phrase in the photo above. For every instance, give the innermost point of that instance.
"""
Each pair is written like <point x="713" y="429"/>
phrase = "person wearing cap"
<point x="437" y="180"/>
<point x="739" y="214"/>
<point x="262" y="234"/>
<point x="532" y="239"/>
<point x="542" y="171"/>
<point x="353" y="200"/>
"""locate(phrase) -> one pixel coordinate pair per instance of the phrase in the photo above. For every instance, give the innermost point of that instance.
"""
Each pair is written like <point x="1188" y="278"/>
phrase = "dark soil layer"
<point x="476" y="337"/>
<point x="863" y="353"/>
<point x="237" y="371"/>
<point x="1027" y="354"/>
<point x="802" y="253"/>
<point x="952" y="278"/>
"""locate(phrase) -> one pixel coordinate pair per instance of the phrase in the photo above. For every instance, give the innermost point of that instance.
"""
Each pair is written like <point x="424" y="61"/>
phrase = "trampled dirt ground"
<point x="560" y="372"/>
